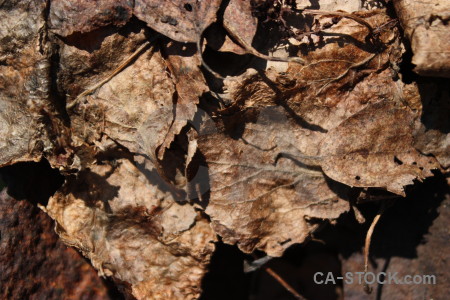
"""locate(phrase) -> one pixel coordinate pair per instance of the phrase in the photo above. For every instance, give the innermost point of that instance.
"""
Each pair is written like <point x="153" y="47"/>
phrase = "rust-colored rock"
<point x="35" y="264"/>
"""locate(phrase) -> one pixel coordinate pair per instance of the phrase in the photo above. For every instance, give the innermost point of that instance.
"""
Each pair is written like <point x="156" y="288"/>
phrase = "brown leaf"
<point x="144" y="106"/>
<point x="426" y="26"/>
<point x="262" y="196"/>
<point x="24" y="82"/>
<point x="238" y="19"/>
<point x="184" y="68"/>
<point x="129" y="226"/>
<point x="265" y="166"/>
<point x="68" y="16"/>
<point x="331" y="5"/>
<point x="86" y="65"/>
<point x="347" y="119"/>
<point x="182" y="21"/>
<point x="374" y="148"/>
<point x="278" y="157"/>
<point x="134" y="108"/>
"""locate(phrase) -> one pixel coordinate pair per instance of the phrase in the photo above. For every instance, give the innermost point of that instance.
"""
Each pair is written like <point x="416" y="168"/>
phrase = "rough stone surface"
<point x="35" y="264"/>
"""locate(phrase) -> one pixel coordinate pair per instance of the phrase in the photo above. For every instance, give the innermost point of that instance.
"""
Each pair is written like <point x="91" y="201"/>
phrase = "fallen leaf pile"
<point x="166" y="146"/>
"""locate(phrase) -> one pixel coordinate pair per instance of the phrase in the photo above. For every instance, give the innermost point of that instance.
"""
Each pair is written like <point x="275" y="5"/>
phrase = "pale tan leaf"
<point x="130" y="229"/>
<point x="182" y="21"/>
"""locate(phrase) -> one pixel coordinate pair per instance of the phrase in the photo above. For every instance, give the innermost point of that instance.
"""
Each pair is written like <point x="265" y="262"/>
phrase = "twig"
<point x="286" y="285"/>
<point x="355" y="65"/>
<point x="367" y="288"/>
<point x="340" y="14"/>
<point x="255" y="52"/>
<point x="158" y="211"/>
<point x="323" y="61"/>
<point x="119" y="69"/>
<point x="204" y="64"/>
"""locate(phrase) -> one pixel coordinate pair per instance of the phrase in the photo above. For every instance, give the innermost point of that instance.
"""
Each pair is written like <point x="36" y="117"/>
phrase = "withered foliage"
<point x="161" y="155"/>
<point x="426" y="26"/>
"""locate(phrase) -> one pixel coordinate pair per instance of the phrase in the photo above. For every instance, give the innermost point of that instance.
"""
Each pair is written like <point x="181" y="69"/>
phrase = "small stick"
<point x="204" y="64"/>
<point x="340" y="14"/>
<point x="114" y="73"/>
<point x="367" y="288"/>
<point x="157" y="211"/>
<point x="355" y="65"/>
<point x="255" y="52"/>
<point x="284" y="284"/>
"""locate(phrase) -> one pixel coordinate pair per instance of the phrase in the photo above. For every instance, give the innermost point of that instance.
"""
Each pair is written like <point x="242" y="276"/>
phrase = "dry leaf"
<point x="24" y="82"/>
<point x="182" y="21"/>
<point x="130" y="229"/>
<point x="264" y="167"/>
<point x="86" y="64"/>
<point x="184" y="67"/>
<point x="331" y="5"/>
<point x="134" y="108"/>
<point x="121" y="109"/>
<point x="374" y="148"/>
<point x="67" y="17"/>
<point x="426" y="25"/>
<point x="151" y="178"/>
<point x="238" y="18"/>
<point x="261" y="196"/>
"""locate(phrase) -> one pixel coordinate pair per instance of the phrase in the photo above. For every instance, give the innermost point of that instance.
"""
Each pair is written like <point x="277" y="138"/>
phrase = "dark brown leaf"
<point x="68" y="16"/>
<point x="374" y="148"/>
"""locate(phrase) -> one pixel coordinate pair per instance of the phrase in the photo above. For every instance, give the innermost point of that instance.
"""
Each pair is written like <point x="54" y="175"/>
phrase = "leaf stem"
<point x="367" y="288"/>
<point x="286" y="285"/>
